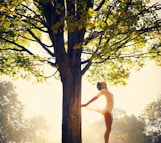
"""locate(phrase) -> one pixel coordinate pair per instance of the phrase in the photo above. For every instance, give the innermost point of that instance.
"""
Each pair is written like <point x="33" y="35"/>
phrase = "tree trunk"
<point x="71" y="122"/>
<point x="69" y="66"/>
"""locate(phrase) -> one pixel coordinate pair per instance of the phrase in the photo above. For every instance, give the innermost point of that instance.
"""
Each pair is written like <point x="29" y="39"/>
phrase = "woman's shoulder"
<point x="104" y="90"/>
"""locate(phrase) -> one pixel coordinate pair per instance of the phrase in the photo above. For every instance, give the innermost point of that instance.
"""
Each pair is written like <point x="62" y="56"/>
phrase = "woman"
<point x="107" y="112"/>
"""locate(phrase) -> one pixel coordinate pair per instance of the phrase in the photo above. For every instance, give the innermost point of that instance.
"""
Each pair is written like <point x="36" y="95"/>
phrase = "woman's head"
<point x="101" y="85"/>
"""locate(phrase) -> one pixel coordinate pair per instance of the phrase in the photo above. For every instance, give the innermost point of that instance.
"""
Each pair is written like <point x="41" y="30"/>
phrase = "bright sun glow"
<point x="45" y="99"/>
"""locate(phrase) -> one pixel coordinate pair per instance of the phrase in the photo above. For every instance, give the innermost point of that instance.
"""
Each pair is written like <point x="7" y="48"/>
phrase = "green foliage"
<point x="16" y="64"/>
<point x="16" y="22"/>
<point x="125" y="43"/>
<point x="113" y="72"/>
<point x="116" y="36"/>
<point x="17" y="61"/>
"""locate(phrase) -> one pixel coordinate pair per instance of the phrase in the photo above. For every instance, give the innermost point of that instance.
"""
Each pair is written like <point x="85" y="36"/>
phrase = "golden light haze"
<point x="46" y="98"/>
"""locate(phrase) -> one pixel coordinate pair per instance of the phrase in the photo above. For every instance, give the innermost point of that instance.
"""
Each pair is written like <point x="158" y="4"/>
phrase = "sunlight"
<point x="41" y="99"/>
<point x="91" y="115"/>
<point x="46" y="98"/>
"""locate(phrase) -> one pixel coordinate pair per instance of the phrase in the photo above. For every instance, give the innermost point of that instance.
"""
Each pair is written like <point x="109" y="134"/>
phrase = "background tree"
<point x="125" y="129"/>
<point x="128" y="129"/>
<point x="11" y="116"/>
<point x="152" y="119"/>
<point x="14" y="127"/>
<point x="40" y="130"/>
<point x="106" y="38"/>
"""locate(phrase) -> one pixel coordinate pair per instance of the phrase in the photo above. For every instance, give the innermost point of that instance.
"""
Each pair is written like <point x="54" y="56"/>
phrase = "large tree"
<point x="106" y="38"/>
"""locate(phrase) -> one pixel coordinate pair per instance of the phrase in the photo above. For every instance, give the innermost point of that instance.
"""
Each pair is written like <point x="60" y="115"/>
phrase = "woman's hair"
<point x="99" y="86"/>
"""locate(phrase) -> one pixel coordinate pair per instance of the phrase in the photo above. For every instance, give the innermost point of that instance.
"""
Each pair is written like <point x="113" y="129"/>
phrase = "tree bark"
<point x="71" y="121"/>
<point x="69" y="66"/>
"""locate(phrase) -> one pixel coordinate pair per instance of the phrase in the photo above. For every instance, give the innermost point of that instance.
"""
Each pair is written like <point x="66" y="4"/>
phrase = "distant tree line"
<point x="15" y="128"/>
<point x="145" y="128"/>
<point x="152" y="120"/>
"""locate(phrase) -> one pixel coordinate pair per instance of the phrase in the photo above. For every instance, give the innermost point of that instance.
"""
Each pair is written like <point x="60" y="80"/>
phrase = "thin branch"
<point x="42" y="44"/>
<point x="24" y="37"/>
<point x="49" y="62"/>
<point x="141" y="55"/>
<point x="33" y="24"/>
<point x="12" y="49"/>
<point x="86" y="67"/>
<point x="127" y="5"/>
<point x="49" y="46"/>
<point x="38" y="18"/>
<point x="100" y="5"/>
<point x="96" y="34"/>
<point x="89" y="63"/>
<point x="126" y="40"/>
<point x="144" y="30"/>
<point x="18" y="45"/>
<point x="30" y="10"/>
<point x="92" y="36"/>
<point x="51" y="74"/>
<point x="153" y="7"/>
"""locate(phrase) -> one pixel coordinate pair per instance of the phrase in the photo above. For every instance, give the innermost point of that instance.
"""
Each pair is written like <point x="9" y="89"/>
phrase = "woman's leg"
<point x="101" y="111"/>
<point x="108" y="123"/>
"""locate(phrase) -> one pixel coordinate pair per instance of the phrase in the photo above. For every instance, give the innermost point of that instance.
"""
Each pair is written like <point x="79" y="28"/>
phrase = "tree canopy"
<point x="118" y="34"/>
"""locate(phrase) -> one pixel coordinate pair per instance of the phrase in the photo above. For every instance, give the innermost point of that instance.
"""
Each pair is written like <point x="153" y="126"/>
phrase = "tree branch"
<point x="92" y="36"/>
<point x="39" y="41"/>
<point x="89" y="4"/>
<point x="144" y="30"/>
<point x="18" y="45"/>
<point x="140" y="55"/>
<point x="127" y="5"/>
<point x="51" y="74"/>
<point x="36" y="15"/>
<point x="24" y="37"/>
<point x="86" y="67"/>
<point x="100" y="5"/>
<point x="89" y="62"/>
<point x="153" y="7"/>
<point x="33" y="24"/>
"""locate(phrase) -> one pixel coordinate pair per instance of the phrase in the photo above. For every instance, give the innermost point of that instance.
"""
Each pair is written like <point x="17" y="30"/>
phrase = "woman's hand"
<point x="84" y="105"/>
